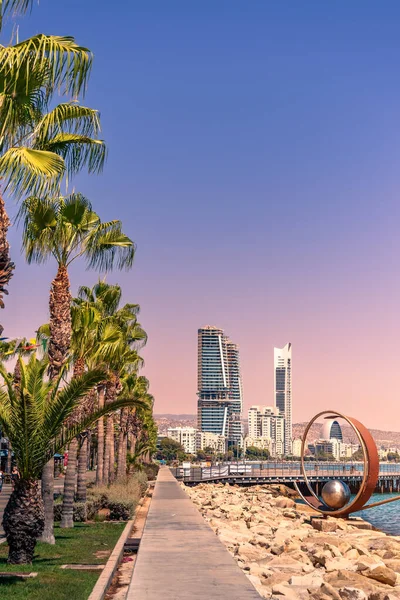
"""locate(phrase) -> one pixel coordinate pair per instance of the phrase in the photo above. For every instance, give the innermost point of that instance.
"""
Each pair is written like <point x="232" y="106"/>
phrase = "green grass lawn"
<point x="77" y="545"/>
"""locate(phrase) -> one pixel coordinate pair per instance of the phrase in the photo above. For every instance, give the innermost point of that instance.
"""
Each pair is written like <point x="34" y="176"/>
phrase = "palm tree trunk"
<point x="112" y="451"/>
<point x="60" y="321"/>
<point x="48" y="502"/>
<point x="71" y="474"/>
<point x="59" y="344"/>
<point x="82" y="470"/>
<point x="67" y="517"/>
<point x="108" y="472"/>
<point x="6" y="266"/>
<point x="107" y="450"/>
<point x="23" y="521"/>
<point x="122" y="441"/>
<point x="9" y="456"/>
<point x="100" y="440"/>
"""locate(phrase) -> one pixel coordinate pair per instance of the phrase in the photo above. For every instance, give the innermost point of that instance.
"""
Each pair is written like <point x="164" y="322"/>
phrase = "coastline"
<point x="286" y="552"/>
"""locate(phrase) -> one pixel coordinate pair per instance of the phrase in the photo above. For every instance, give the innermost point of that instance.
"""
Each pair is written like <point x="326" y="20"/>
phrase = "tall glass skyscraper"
<point x="283" y="390"/>
<point x="219" y="385"/>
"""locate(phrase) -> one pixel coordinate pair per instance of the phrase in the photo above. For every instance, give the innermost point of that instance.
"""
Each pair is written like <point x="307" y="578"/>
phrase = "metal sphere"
<point x="336" y="494"/>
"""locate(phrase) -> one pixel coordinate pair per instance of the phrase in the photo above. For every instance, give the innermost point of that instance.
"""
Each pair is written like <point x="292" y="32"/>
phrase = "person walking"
<point x="1" y="480"/>
<point x="14" y="476"/>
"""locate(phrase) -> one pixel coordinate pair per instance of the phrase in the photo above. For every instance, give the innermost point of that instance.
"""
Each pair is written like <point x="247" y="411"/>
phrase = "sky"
<point x="254" y="152"/>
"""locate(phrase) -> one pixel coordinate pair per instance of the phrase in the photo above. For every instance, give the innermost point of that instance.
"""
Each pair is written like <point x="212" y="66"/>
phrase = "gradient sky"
<point x="254" y="153"/>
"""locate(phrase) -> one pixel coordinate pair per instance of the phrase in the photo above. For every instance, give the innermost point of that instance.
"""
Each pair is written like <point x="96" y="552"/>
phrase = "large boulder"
<point x="367" y="562"/>
<point x="344" y="578"/>
<point x="284" y="503"/>
<point x="286" y="564"/>
<point x="382" y="574"/>
<point x="249" y="552"/>
<point x="350" y="593"/>
<point x="335" y="564"/>
<point x="324" y="525"/>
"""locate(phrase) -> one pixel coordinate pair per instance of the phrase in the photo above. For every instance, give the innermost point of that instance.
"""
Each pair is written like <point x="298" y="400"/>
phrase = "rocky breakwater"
<point x="286" y="554"/>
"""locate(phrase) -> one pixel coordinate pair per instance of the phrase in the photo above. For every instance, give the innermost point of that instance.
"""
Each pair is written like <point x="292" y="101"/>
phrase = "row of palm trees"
<point x="89" y="373"/>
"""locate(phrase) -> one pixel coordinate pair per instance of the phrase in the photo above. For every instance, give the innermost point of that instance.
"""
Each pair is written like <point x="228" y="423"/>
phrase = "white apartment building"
<point x="266" y="422"/>
<point x="186" y="436"/>
<point x="296" y="447"/>
<point x="283" y="390"/>
<point x="263" y="443"/>
<point x="207" y="439"/>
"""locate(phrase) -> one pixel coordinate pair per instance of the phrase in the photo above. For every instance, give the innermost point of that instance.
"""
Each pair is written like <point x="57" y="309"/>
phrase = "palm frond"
<point x="68" y="117"/>
<point x="13" y="8"/>
<point x="69" y="64"/>
<point x="62" y="403"/>
<point x="108" y="246"/>
<point x="78" y="151"/>
<point x="31" y="171"/>
<point x="71" y="431"/>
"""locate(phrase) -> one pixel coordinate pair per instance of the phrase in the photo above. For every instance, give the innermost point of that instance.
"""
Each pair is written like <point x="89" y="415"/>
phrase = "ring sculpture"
<point x="335" y="500"/>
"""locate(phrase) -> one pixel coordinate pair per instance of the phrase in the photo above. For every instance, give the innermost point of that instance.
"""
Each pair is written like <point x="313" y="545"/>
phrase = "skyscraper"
<point x="219" y="384"/>
<point x="235" y="391"/>
<point x="283" y="390"/>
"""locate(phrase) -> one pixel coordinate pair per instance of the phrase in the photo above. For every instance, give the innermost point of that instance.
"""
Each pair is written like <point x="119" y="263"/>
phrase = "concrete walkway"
<point x="4" y="496"/>
<point x="180" y="557"/>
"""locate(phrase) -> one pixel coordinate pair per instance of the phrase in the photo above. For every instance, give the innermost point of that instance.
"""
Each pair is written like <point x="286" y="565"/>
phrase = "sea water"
<point x="385" y="517"/>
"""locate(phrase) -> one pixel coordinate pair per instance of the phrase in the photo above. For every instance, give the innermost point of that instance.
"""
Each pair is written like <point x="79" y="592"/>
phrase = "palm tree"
<point x="39" y="146"/>
<point x="35" y="418"/>
<point x="119" y="337"/>
<point x="140" y="385"/>
<point x="67" y="229"/>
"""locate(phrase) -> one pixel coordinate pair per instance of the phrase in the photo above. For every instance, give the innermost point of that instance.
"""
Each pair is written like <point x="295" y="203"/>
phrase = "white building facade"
<point x="266" y="423"/>
<point x="206" y="439"/>
<point x="186" y="436"/>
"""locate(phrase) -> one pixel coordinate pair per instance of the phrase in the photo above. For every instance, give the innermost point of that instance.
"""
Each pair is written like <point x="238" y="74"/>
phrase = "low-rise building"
<point x="296" y="447"/>
<point x="186" y="436"/>
<point x="275" y="448"/>
<point x="207" y="439"/>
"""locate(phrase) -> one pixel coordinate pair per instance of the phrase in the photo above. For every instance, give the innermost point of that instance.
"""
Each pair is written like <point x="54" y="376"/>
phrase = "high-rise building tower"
<point x="235" y="391"/>
<point x="219" y="385"/>
<point x="283" y="390"/>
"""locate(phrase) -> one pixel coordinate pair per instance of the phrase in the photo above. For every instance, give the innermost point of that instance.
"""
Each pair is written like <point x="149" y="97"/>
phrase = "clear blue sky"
<point x="254" y="151"/>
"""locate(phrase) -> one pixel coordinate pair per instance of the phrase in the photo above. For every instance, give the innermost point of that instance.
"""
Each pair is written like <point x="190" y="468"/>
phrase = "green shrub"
<point x="122" y="511"/>
<point x="80" y="511"/>
<point x="151" y="470"/>
<point x="121" y="497"/>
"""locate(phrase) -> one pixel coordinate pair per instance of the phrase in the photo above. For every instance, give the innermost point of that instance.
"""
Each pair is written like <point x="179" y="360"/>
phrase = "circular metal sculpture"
<point x="336" y="494"/>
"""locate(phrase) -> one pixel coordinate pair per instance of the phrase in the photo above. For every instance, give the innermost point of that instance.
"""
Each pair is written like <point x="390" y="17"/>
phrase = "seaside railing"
<point x="280" y="471"/>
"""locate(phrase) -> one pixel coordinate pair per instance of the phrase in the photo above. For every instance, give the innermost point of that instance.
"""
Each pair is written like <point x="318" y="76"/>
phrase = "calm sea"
<point x="386" y="517"/>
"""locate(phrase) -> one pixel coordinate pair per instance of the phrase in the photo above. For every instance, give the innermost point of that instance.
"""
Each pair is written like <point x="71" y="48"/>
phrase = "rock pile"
<point x="286" y="554"/>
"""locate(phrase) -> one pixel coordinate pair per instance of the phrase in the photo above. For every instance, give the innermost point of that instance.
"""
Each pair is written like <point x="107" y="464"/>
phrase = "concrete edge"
<point x="104" y="581"/>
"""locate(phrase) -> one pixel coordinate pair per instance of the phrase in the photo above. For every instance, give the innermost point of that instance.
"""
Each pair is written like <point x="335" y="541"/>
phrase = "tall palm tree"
<point x="34" y="416"/>
<point x="38" y="146"/>
<point x="119" y="337"/>
<point x="67" y="229"/>
<point x="140" y="385"/>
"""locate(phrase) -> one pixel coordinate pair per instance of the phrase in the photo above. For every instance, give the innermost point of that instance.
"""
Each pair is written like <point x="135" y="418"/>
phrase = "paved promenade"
<point x="4" y="496"/>
<point x="180" y="557"/>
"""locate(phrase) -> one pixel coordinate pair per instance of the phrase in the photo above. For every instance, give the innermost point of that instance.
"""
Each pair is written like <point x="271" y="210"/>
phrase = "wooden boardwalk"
<point x="180" y="557"/>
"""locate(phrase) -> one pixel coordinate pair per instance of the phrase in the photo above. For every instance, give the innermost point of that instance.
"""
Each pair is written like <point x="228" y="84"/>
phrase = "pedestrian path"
<point x="180" y="557"/>
<point x="4" y="496"/>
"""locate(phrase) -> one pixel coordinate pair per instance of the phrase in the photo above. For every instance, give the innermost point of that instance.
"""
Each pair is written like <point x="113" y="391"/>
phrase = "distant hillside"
<point x="387" y="439"/>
